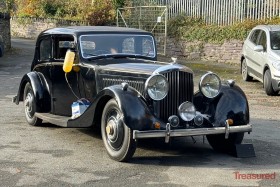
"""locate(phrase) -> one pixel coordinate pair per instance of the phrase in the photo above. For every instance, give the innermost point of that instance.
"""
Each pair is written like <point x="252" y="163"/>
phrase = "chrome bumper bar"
<point x="190" y="132"/>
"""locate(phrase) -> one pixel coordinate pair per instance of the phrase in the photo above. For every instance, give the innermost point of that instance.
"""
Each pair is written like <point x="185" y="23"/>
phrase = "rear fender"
<point x="40" y="88"/>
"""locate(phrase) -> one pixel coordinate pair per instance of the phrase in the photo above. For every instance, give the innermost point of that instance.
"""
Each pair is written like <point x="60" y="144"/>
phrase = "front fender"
<point x="40" y="88"/>
<point x="136" y="114"/>
<point x="230" y="104"/>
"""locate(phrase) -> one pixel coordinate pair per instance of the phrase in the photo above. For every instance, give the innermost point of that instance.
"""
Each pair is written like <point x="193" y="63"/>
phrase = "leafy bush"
<point x="195" y="29"/>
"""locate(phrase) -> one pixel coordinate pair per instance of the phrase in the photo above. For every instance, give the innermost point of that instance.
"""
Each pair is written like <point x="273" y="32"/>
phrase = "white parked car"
<point x="261" y="57"/>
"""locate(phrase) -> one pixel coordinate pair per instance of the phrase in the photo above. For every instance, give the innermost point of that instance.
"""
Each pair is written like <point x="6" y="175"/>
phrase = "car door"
<point x="65" y="86"/>
<point x="42" y="58"/>
<point x="250" y="54"/>
<point x="261" y="57"/>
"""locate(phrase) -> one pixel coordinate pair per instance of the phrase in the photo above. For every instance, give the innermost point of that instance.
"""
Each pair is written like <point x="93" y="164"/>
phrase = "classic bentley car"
<point x="109" y="78"/>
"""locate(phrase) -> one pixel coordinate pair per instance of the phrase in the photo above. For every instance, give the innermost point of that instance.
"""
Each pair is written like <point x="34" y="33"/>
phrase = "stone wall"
<point x="31" y="27"/>
<point x="5" y="30"/>
<point x="228" y="52"/>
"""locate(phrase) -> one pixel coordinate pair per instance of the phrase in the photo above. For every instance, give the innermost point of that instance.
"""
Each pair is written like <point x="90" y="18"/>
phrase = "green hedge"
<point x="195" y="29"/>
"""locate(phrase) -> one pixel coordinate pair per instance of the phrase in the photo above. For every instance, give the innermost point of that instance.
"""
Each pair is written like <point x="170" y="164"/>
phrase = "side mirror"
<point x="68" y="61"/>
<point x="258" y="48"/>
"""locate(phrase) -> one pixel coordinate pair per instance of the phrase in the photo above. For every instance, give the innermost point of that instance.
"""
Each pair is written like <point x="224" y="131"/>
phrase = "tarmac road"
<point x="54" y="156"/>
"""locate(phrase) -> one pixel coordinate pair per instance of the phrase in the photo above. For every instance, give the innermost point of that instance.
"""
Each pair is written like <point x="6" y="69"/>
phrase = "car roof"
<point x="77" y="30"/>
<point x="268" y="27"/>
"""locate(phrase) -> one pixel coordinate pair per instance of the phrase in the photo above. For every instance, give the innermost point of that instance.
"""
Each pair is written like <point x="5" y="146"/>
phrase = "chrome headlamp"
<point x="157" y="87"/>
<point x="187" y="111"/>
<point x="210" y="85"/>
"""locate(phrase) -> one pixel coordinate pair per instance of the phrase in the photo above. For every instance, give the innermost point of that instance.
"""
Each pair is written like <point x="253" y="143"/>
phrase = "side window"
<point x="45" y="49"/>
<point x="254" y="36"/>
<point x="128" y="46"/>
<point x="262" y="40"/>
<point x="62" y="44"/>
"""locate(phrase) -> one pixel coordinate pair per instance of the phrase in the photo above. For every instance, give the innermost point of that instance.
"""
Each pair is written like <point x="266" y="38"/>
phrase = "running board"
<point x="53" y="119"/>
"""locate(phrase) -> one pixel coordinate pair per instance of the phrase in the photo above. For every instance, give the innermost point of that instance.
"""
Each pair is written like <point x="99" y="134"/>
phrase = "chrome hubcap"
<point x="112" y="129"/>
<point x="29" y="105"/>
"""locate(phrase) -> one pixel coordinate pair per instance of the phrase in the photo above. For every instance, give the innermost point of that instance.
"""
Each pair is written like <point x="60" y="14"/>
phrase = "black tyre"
<point x="267" y="83"/>
<point x="220" y="144"/>
<point x="30" y="106"/>
<point x="244" y="71"/>
<point x="116" y="136"/>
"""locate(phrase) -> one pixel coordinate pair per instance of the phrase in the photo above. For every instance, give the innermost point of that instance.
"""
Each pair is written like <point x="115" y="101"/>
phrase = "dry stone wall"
<point x="228" y="52"/>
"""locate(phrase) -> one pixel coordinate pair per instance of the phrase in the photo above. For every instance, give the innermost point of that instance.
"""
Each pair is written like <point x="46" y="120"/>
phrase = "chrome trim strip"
<point x="190" y="132"/>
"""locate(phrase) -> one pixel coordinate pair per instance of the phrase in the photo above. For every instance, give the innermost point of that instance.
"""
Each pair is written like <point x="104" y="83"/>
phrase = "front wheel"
<point x="30" y="106"/>
<point x="220" y="144"/>
<point x="116" y="136"/>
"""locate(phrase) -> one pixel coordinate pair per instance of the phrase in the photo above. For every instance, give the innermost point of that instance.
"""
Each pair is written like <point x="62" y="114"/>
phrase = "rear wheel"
<point x="220" y="144"/>
<point x="267" y="83"/>
<point x="244" y="71"/>
<point x="116" y="136"/>
<point x="30" y="106"/>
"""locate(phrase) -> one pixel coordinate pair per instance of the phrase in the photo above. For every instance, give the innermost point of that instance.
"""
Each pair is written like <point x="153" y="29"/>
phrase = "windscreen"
<point x="275" y="40"/>
<point x="116" y="44"/>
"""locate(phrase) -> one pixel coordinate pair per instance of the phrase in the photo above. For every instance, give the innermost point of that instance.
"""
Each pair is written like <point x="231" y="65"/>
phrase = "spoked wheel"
<point x="30" y="106"/>
<point x="244" y="71"/>
<point x="220" y="144"/>
<point x="117" y="137"/>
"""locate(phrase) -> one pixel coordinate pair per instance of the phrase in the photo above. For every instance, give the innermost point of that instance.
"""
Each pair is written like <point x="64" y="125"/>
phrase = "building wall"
<point x="5" y="31"/>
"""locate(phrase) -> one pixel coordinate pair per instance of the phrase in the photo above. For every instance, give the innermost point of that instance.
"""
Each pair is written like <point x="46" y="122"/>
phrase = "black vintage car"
<point x="109" y="77"/>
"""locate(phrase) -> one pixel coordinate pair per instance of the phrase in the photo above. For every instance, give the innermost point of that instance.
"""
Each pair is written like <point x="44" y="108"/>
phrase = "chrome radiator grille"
<point x="180" y="90"/>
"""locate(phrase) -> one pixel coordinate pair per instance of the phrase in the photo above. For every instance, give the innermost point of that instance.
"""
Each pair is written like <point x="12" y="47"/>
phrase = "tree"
<point x="97" y="12"/>
<point x="7" y="5"/>
<point x="102" y="13"/>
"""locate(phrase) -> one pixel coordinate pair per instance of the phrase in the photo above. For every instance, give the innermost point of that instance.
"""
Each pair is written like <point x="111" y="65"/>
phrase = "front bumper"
<point x="191" y="132"/>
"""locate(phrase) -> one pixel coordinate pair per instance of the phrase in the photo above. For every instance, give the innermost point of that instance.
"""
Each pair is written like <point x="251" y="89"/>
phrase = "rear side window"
<point x="45" y="49"/>
<point x="254" y="36"/>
